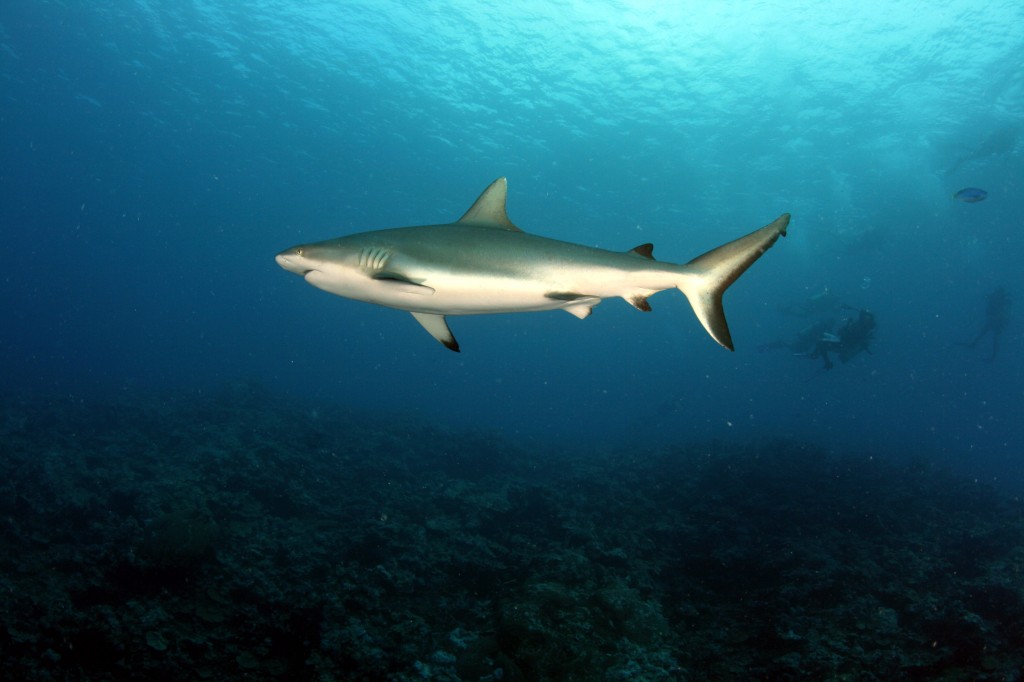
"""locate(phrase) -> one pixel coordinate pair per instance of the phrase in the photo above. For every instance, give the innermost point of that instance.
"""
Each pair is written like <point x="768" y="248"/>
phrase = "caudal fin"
<point x="708" y="276"/>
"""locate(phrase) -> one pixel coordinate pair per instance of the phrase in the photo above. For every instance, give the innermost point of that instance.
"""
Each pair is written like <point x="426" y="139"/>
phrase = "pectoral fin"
<point x="403" y="284"/>
<point x="579" y="305"/>
<point x="437" y="327"/>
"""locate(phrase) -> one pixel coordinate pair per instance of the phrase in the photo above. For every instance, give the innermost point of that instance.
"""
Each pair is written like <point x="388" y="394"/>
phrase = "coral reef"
<point x="233" y="536"/>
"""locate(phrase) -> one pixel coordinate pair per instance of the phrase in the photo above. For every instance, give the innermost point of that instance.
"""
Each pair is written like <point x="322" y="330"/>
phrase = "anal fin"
<point x="639" y="301"/>
<point x="437" y="327"/>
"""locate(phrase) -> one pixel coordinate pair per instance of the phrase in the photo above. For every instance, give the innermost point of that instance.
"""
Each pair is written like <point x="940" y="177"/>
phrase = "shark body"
<point x="483" y="263"/>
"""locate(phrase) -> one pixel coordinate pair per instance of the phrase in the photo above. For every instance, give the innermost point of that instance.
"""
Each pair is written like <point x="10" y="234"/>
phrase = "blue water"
<point x="156" y="154"/>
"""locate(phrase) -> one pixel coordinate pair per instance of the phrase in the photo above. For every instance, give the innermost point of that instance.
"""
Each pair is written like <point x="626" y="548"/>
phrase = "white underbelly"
<point x="478" y="297"/>
<point x="430" y="291"/>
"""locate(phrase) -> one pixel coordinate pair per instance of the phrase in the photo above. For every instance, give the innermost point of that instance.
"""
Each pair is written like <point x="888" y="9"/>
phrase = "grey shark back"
<point x="483" y="263"/>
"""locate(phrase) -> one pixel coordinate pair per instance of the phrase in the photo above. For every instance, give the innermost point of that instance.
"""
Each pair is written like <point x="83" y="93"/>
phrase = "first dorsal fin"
<point x="489" y="208"/>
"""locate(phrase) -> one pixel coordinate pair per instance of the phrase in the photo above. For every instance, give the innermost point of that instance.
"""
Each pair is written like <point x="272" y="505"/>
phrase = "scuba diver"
<point x="849" y="340"/>
<point x="997" y="314"/>
<point x="805" y="339"/>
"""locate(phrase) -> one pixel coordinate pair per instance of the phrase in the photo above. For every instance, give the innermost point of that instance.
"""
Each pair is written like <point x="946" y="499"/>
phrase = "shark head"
<point x="326" y="265"/>
<point x="354" y="268"/>
<point x="295" y="260"/>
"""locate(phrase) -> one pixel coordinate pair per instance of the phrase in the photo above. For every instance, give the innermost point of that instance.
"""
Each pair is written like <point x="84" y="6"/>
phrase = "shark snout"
<point x="292" y="261"/>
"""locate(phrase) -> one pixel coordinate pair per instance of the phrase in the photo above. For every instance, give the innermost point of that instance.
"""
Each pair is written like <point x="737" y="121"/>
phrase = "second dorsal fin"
<point x="644" y="251"/>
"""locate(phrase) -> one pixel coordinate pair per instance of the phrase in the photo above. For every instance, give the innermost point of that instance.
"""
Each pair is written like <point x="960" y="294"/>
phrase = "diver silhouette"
<point x="853" y="337"/>
<point x="805" y="339"/>
<point x="997" y="314"/>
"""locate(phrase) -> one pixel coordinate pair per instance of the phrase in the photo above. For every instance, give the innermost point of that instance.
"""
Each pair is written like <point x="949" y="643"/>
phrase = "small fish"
<point x="971" y="195"/>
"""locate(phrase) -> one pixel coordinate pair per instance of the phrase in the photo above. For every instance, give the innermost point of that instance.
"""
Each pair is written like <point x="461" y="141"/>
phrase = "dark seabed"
<point x="230" y="536"/>
<point x="211" y="470"/>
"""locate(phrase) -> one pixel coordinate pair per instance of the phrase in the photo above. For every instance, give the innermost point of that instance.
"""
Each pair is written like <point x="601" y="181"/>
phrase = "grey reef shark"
<point x="483" y="263"/>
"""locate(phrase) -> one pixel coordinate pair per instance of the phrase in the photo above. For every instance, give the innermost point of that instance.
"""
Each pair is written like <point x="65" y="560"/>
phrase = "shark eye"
<point x="298" y="252"/>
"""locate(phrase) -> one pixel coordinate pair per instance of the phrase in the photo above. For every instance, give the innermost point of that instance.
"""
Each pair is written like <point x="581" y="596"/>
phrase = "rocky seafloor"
<point x="231" y="536"/>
